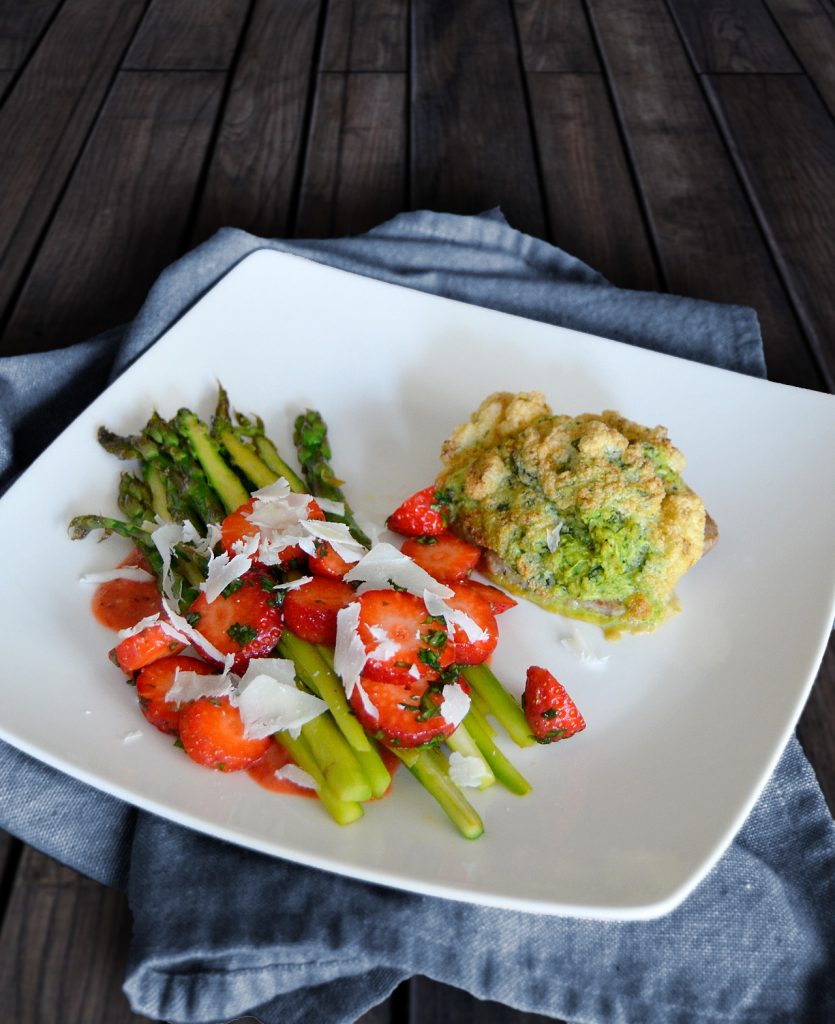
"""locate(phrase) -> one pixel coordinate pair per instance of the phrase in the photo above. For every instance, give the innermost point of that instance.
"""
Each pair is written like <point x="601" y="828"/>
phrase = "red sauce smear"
<point x="264" y="769"/>
<point x="120" y="604"/>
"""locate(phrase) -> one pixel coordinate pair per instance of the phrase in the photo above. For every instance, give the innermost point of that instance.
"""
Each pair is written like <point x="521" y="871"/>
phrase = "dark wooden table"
<point x="685" y="145"/>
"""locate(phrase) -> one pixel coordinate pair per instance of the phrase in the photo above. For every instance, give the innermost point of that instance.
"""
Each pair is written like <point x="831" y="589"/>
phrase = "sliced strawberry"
<point x="418" y="516"/>
<point x="139" y="650"/>
<point x="310" y="611"/>
<point x="237" y="529"/>
<point x="406" y="716"/>
<point x="153" y="684"/>
<point x="243" y="621"/>
<point x="445" y="556"/>
<point x="550" y="712"/>
<point x="120" y="603"/>
<point x="479" y="644"/>
<point x="326" y="562"/>
<point x="499" y="600"/>
<point x="404" y="642"/>
<point x="212" y="734"/>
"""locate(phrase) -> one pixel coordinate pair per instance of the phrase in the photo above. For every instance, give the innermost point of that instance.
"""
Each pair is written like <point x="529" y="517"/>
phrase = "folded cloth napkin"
<point x="221" y="932"/>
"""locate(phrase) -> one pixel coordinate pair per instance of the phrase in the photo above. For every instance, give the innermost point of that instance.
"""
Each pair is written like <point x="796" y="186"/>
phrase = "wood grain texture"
<point x="355" y="170"/>
<point x="432" y="1002"/>
<point x="188" y="35"/>
<point x="257" y="156"/>
<point x="555" y="36"/>
<point x="21" y="23"/>
<point x="123" y="216"/>
<point x="706" y="234"/>
<point x="809" y="27"/>
<point x="783" y="140"/>
<point x="593" y="210"/>
<point x="366" y="35"/>
<point x="63" y="948"/>
<point x="45" y="120"/>
<point x="471" y="136"/>
<point x="732" y="36"/>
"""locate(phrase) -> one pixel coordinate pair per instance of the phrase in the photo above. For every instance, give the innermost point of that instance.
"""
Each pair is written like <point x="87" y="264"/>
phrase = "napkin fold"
<point x="220" y="931"/>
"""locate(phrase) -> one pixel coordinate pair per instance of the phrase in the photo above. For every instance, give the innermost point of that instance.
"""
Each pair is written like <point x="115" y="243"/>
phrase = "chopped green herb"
<point x="241" y="633"/>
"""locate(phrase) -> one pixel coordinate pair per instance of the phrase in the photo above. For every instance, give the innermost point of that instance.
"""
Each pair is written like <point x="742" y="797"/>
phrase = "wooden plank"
<point x="46" y="118"/>
<point x="555" y="37"/>
<point x="434" y="1001"/>
<point x="706" y="233"/>
<point x="810" y="29"/>
<point x="366" y="35"/>
<point x="815" y="728"/>
<point x="256" y="159"/>
<point x="124" y="214"/>
<point x="783" y="140"/>
<point x="732" y="36"/>
<point x="355" y="170"/>
<point x="472" y="145"/>
<point x="63" y="948"/>
<point x="21" y="24"/>
<point x="188" y="35"/>
<point x="593" y="211"/>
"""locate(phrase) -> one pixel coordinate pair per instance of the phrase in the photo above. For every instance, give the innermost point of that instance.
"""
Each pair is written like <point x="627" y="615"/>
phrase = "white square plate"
<point x="684" y="725"/>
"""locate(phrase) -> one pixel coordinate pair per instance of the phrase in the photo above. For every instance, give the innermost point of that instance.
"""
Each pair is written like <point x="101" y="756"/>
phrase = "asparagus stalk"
<point x="343" y="812"/>
<point x="501" y="767"/>
<point x="241" y="453"/>
<point x="429" y="767"/>
<point x="269" y="454"/>
<point x="339" y="766"/>
<point x="501" y="704"/>
<point x="311" y="439"/>
<point x="463" y="743"/>
<point x="225" y="482"/>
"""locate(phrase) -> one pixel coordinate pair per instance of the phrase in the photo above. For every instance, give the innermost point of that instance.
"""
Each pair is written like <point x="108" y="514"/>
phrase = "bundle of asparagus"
<point x="190" y="471"/>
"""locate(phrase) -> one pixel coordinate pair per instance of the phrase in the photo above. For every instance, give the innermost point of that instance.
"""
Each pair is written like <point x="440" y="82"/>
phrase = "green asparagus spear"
<point x="242" y="453"/>
<point x="254" y="431"/>
<point x="501" y="767"/>
<point x="228" y="487"/>
<point x="310" y="436"/>
<point x="429" y="767"/>
<point x="343" y="812"/>
<point x="463" y="743"/>
<point x="501" y="704"/>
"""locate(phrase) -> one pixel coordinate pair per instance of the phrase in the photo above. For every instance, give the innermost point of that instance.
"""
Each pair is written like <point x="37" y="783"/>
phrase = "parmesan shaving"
<point x="335" y="508"/>
<point x="336" y="534"/>
<point x="384" y="565"/>
<point x="190" y="686"/>
<point x="298" y="776"/>
<point x="367" y="703"/>
<point x="133" y="573"/>
<point x="223" y="570"/>
<point x="552" y="537"/>
<point x="455" y="704"/>
<point x="579" y="646"/>
<point x="349" y="654"/>
<point x="293" y="584"/>
<point x="270" y="703"/>
<point x="191" y="635"/>
<point x="454" y="617"/>
<point x="466" y="771"/>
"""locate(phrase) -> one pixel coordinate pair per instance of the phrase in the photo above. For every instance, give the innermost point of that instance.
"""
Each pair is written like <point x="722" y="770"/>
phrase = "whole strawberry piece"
<point x="418" y="516"/>
<point x="551" y="713"/>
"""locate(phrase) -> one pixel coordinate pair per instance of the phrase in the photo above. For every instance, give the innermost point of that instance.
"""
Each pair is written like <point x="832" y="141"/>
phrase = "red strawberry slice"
<point x="326" y="562"/>
<point x="212" y="734"/>
<point x="242" y="621"/>
<point x="310" y="610"/>
<point x="499" y="600"/>
<point x="445" y="556"/>
<point x="418" y="516"/>
<point x="154" y="682"/>
<point x="407" y="716"/>
<point x="404" y="642"/>
<point x="468" y="600"/>
<point x="134" y="652"/>
<point x="550" y="712"/>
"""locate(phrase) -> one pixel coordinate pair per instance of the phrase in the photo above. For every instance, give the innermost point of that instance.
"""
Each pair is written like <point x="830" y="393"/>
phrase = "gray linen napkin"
<point x="221" y="931"/>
